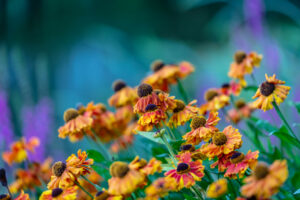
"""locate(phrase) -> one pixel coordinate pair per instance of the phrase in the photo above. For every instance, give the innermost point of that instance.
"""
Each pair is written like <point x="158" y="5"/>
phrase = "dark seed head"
<point x="58" y="168"/>
<point x="225" y="85"/>
<point x="210" y="94"/>
<point x="157" y="65"/>
<point x="240" y="103"/>
<point x="101" y="195"/>
<point x="197" y="122"/>
<point x="118" y="85"/>
<point x="70" y="114"/>
<point x="144" y="90"/>
<point x="219" y="138"/>
<point x="3" y="179"/>
<point x="150" y="107"/>
<point x="56" y="192"/>
<point x="187" y="147"/>
<point x="239" y="56"/>
<point x="261" y="170"/>
<point x="182" y="167"/>
<point x="237" y="157"/>
<point x="179" y="106"/>
<point x="267" y="88"/>
<point x="119" y="169"/>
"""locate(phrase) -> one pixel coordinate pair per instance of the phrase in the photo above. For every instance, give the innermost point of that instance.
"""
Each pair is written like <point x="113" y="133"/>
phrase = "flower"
<point x="239" y="163"/>
<point x="223" y="142"/>
<point x="19" y="150"/>
<point x="182" y="113"/>
<point x="125" y="179"/>
<point x="202" y="129"/>
<point x="167" y="103"/>
<point x="231" y="88"/>
<point x="152" y="117"/>
<point x="215" y="100"/>
<point x="124" y="95"/>
<point x="243" y="64"/>
<point x="241" y="110"/>
<point x="160" y="188"/>
<point x="146" y="97"/>
<point x="104" y="195"/>
<point x="272" y="90"/>
<point x="265" y="180"/>
<point x="22" y="196"/>
<point x="65" y="175"/>
<point x="217" y="188"/>
<point x="147" y="168"/>
<point x="75" y="126"/>
<point x="187" y="172"/>
<point x="195" y="153"/>
<point x="25" y="179"/>
<point x="185" y="69"/>
<point x="60" y="194"/>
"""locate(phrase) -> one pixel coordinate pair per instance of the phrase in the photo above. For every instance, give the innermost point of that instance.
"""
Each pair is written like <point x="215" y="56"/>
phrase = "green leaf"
<point x="283" y="134"/>
<point x="295" y="180"/>
<point x="102" y="171"/>
<point x="297" y="105"/>
<point x="176" y="144"/>
<point x="251" y="88"/>
<point x="97" y="156"/>
<point x="265" y="125"/>
<point x="150" y="136"/>
<point x="167" y="167"/>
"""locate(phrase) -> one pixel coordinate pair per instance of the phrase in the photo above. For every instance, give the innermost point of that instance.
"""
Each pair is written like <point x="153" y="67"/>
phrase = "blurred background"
<point x="55" y="54"/>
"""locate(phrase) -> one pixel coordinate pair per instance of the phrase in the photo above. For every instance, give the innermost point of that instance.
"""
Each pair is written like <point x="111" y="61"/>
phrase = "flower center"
<point x="267" y="88"/>
<point x="261" y="170"/>
<point x="198" y="121"/>
<point x="240" y="103"/>
<point x="70" y="114"/>
<point x="187" y="147"/>
<point x="157" y="91"/>
<point x="251" y="198"/>
<point x="119" y="169"/>
<point x="58" y="168"/>
<point x="3" y="179"/>
<point x="182" y="168"/>
<point x="157" y="65"/>
<point x="150" y="107"/>
<point x="225" y="85"/>
<point x="239" y="56"/>
<point x="219" y="139"/>
<point x="210" y="94"/>
<point x="179" y="106"/>
<point x="5" y="197"/>
<point x="237" y="157"/>
<point x="144" y="90"/>
<point x="118" y="85"/>
<point x="102" y="195"/>
<point x="56" y="192"/>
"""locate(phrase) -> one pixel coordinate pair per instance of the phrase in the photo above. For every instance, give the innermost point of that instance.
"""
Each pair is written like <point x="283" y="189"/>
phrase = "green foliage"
<point x="283" y="134"/>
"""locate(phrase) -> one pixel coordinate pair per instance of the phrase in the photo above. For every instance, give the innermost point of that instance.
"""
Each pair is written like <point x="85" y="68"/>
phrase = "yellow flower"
<point x="265" y="180"/>
<point x="160" y="188"/>
<point x="147" y="168"/>
<point x="272" y="90"/>
<point x="104" y="195"/>
<point x="60" y="194"/>
<point x="217" y="188"/>
<point x="25" y="179"/>
<point x="215" y="100"/>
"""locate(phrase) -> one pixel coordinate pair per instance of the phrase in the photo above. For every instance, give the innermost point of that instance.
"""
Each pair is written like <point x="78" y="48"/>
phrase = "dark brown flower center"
<point x="237" y="157"/>
<point x="58" y="168"/>
<point x="219" y="138"/>
<point x="5" y="197"/>
<point x="102" y="195"/>
<point x="157" y="65"/>
<point x="267" y="88"/>
<point x="225" y="85"/>
<point x="3" y="179"/>
<point x="119" y="169"/>
<point x="198" y="121"/>
<point x="187" y="147"/>
<point x="70" y="114"/>
<point x="150" y="107"/>
<point x="239" y="56"/>
<point x="261" y="170"/>
<point x="182" y="168"/>
<point x="240" y="103"/>
<point x="179" y="106"/>
<point x="198" y="156"/>
<point x="56" y="192"/>
<point x="210" y="94"/>
<point x="118" y="85"/>
<point x="144" y="90"/>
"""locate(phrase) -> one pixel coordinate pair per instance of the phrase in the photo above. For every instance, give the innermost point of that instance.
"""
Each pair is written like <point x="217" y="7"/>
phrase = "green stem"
<point x="169" y="131"/>
<point x="253" y="78"/>
<point x="182" y="91"/>
<point x="101" y="147"/>
<point x="194" y="190"/>
<point x="208" y="175"/>
<point x="284" y="120"/>
<point x="95" y="185"/>
<point x="82" y="188"/>
<point x="173" y="157"/>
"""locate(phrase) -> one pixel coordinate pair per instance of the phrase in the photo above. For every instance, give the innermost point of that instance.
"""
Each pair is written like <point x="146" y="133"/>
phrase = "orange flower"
<point x="195" y="153"/>
<point x="202" y="129"/>
<point x="93" y="177"/>
<point x="217" y="188"/>
<point x="187" y="172"/>
<point x="22" y="196"/>
<point x="231" y="88"/>
<point x="160" y="188"/>
<point x="146" y="97"/>
<point x="223" y="142"/>
<point x="60" y="194"/>
<point x="25" y="179"/>
<point x="124" y="95"/>
<point x="222" y="162"/>
<point x="65" y="175"/>
<point x="214" y="101"/>
<point x="185" y="69"/>
<point x="147" y="168"/>
<point x="270" y="91"/>
<point x="104" y="195"/>
<point x="125" y="179"/>
<point x="19" y="150"/>
<point x="265" y="180"/>
<point x="76" y="125"/>
<point x="243" y="65"/>
<point x="182" y="113"/>
<point x="152" y="117"/>
<point x="241" y="110"/>
<point x="166" y="102"/>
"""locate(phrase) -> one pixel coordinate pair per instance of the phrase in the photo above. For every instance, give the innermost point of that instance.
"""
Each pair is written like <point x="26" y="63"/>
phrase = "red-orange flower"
<point x="147" y="168"/>
<point x="160" y="188"/>
<point x="231" y="88"/>
<point x="25" y="179"/>
<point x="202" y="129"/>
<point x="215" y="100"/>
<point x="60" y="194"/>
<point x="241" y="110"/>
<point x="22" y="196"/>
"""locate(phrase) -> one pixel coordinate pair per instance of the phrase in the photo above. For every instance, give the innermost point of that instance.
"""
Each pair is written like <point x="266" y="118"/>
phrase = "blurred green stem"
<point x="82" y="188"/>
<point x="173" y="157"/>
<point x="182" y="91"/>
<point x="101" y="147"/>
<point x="95" y="185"/>
<point x="197" y="194"/>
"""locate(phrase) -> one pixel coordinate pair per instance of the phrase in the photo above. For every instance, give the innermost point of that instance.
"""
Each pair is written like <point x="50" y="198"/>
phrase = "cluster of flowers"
<point x="149" y="109"/>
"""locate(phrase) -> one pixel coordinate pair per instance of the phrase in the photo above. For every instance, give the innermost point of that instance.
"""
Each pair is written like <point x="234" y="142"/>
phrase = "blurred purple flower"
<point x="37" y="122"/>
<point x="254" y="11"/>
<point x="6" y="131"/>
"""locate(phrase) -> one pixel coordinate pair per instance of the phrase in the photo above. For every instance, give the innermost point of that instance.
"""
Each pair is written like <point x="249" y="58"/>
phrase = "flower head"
<point x="187" y="172"/>
<point x="147" y="168"/>
<point x="231" y="88"/>
<point x="223" y="142"/>
<point x="195" y="153"/>
<point x="22" y="196"/>
<point x="104" y="195"/>
<point x="215" y="100"/>
<point x="160" y="188"/>
<point x="202" y="128"/>
<point x="241" y="110"/>
<point x="60" y="194"/>
<point x="217" y="188"/>
<point x="265" y="180"/>
<point x="272" y="90"/>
